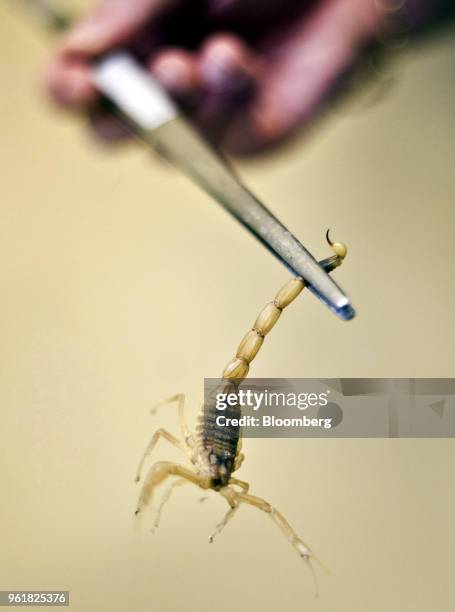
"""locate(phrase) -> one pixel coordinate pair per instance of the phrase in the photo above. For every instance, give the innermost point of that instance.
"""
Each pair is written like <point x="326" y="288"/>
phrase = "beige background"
<point x="121" y="283"/>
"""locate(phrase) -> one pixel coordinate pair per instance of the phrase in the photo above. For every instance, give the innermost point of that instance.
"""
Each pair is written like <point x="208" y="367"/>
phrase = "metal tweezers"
<point x="149" y="111"/>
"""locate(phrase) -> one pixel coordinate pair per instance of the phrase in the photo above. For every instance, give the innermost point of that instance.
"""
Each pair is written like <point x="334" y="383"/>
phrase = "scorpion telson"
<point x="214" y="452"/>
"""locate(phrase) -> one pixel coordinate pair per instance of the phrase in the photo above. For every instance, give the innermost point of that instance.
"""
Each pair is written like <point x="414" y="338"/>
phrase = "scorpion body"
<point x="215" y="452"/>
<point x="217" y="446"/>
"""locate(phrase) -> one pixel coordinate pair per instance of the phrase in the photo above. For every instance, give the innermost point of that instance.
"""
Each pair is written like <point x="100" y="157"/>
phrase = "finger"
<point x="229" y="72"/>
<point x="228" y="65"/>
<point x="302" y="73"/>
<point x="69" y="83"/>
<point x="178" y="71"/>
<point x="114" y="22"/>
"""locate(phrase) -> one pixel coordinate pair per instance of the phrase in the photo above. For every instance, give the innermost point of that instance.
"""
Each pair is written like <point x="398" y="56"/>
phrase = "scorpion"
<point x="215" y="453"/>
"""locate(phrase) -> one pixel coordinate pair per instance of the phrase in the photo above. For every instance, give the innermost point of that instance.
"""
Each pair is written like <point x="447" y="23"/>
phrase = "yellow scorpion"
<point x="214" y="453"/>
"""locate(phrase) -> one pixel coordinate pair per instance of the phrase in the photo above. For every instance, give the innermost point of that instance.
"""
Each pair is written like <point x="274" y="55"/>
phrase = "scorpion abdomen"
<point x="219" y="438"/>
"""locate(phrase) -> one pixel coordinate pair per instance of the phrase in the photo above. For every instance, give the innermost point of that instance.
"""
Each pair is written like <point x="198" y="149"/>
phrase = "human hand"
<point x="248" y="72"/>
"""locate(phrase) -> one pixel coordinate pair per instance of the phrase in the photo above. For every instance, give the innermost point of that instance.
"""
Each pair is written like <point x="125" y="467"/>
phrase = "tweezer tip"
<point x="346" y="312"/>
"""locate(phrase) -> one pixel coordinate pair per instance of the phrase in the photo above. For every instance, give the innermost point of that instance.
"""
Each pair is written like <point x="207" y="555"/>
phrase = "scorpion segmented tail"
<point x="249" y="347"/>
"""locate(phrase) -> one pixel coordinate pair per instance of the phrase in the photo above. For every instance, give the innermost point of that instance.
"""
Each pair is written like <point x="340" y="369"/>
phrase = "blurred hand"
<point x="248" y="72"/>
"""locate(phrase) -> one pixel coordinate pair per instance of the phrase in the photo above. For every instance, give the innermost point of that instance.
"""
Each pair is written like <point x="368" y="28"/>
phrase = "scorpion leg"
<point x="284" y="526"/>
<point x="165" y="499"/>
<point x="159" y="433"/>
<point x="180" y="399"/>
<point x="238" y="461"/>
<point x="240" y="483"/>
<point x="227" y="517"/>
<point x="279" y="520"/>
<point x="230" y="494"/>
<point x="159" y="472"/>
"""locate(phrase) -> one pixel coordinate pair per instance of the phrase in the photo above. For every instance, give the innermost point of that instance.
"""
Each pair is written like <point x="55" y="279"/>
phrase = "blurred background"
<point x="122" y="284"/>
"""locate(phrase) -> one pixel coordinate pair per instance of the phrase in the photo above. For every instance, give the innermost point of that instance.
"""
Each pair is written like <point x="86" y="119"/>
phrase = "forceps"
<point x="152" y="115"/>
